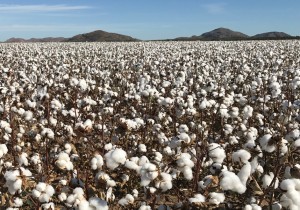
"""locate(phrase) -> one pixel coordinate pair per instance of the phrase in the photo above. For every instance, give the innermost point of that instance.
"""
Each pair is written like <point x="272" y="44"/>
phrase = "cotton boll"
<point x="241" y="156"/>
<point x="264" y="143"/>
<point x="230" y="181"/>
<point x="98" y="204"/>
<point x="97" y="162"/>
<point x="115" y="157"/>
<point x="198" y="198"/>
<point x="48" y="206"/>
<point x="3" y="150"/>
<point x="128" y="199"/>
<point x="142" y="148"/>
<point x="43" y="192"/>
<point x="216" y="198"/>
<point x="18" y="202"/>
<point x="23" y="159"/>
<point x="245" y="173"/>
<point x="28" y="115"/>
<point x="165" y="182"/>
<point x="267" y="179"/>
<point x="145" y="207"/>
<point x="216" y="153"/>
<point x="13" y="181"/>
<point x="148" y="173"/>
<point x="184" y="137"/>
<point x="64" y="162"/>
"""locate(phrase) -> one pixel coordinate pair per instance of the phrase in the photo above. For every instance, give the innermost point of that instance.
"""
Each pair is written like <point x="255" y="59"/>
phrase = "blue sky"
<point x="145" y="19"/>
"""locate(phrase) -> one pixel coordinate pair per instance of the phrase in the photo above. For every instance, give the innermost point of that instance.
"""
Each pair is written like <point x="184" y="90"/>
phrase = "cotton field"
<point x="150" y="125"/>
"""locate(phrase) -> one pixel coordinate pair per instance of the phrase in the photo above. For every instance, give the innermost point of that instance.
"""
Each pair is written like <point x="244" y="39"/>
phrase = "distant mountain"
<point x="47" y="39"/>
<point x="101" y="36"/>
<point x="223" y="34"/>
<point x="272" y="35"/>
<point x="217" y="34"/>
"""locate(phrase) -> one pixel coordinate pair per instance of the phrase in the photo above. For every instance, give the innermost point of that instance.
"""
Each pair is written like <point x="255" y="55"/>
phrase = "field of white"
<point x="150" y="125"/>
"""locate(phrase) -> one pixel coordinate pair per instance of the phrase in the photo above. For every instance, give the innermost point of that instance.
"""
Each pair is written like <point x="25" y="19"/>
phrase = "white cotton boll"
<point x="158" y="157"/>
<point x="3" y="150"/>
<point x="216" y="198"/>
<point x="165" y="183"/>
<point x="128" y="199"/>
<point x="41" y="186"/>
<point x="98" y="204"/>
<point x="187" y="172"/>
<point x="142" y="148"/>
<point x="48" y="206"/>
<point x="62" y="196"/>
<point x="28" y="115"/>
<point x="18" y="202"/>
<point x="53" y="121"/>
<point x="267" y="179"/>
<point x="64" y="162"/>
<point x="230" y="181"/>
<point x="35" y="193"/>
<point x="148" y="173"/>
<point x="234" y="112"/>
<point x="185" y="160"/>
<point x="132" y="165"/>
<point x="233" y="140"/>
<point x="216" y="153"/>
<point x="168" y="151"/>
<point x="83" y="85"/>
<point x="264" y="143"/>
<point x="245" y="173"/>
<point x="198" y="198"/>
<point x="203" y="104"/>
<point x="44" y="198"/>
<point x="241" y="156"/>
<point x="97" y="162"/>
<point x="47" y="132"/>
<point x="145" y="207"/>
<point x="108" y="146"/>
<point x="23" y="159"/>
<point x="183" y="129"/>
<point x="224" y="111"/>
<point x="184" y="137"/>
<point x="247" y="112"/>
<point x="49" y="190"/>
<point x="114" y="158"/>
<point x="227" y="129"/>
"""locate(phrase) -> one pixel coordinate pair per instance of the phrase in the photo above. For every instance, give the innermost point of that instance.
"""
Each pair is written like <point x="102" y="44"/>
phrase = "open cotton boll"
<point x="47" y="132"/>
<point x="267" y="179"/>
<point x="264" y="143"/>
<point x="241" y="156"/>
<point x="28" y="115"/>
<point x="216" y="198"/>
<point x="23" y="159"/>
<point x="183" y="128"/>
<point x="115" y="157"/>
<point x="245" y="173"/>
<point x="106" y="178"/>
<point x="142" y="148"/>
<point x="64" y="162"/>
<point x="198" y="198"/>
<point x="128" y="199"/>
<point x="230" y="181"/>
<point x="247" y="112"/>
<point x="3" y="150"/>
<point x="47" y="206"/>
<point x="13" y="181"/>
<point x="216" y="153"/>
<point x="97" y="162"/>
<point x="97" y="204"/>
<point x="145" y="207"/>
<point x="43" y="192"/>
<point x="252" y="207"/>
<point x="184" y="137"/>
<point x="148" y="172"/>
<point x="165" y="182"/>
<point x="18" y="202"/>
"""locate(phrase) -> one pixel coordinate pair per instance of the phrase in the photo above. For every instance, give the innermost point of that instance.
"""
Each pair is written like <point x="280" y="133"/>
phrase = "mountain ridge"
<point x="218" y="34"/>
